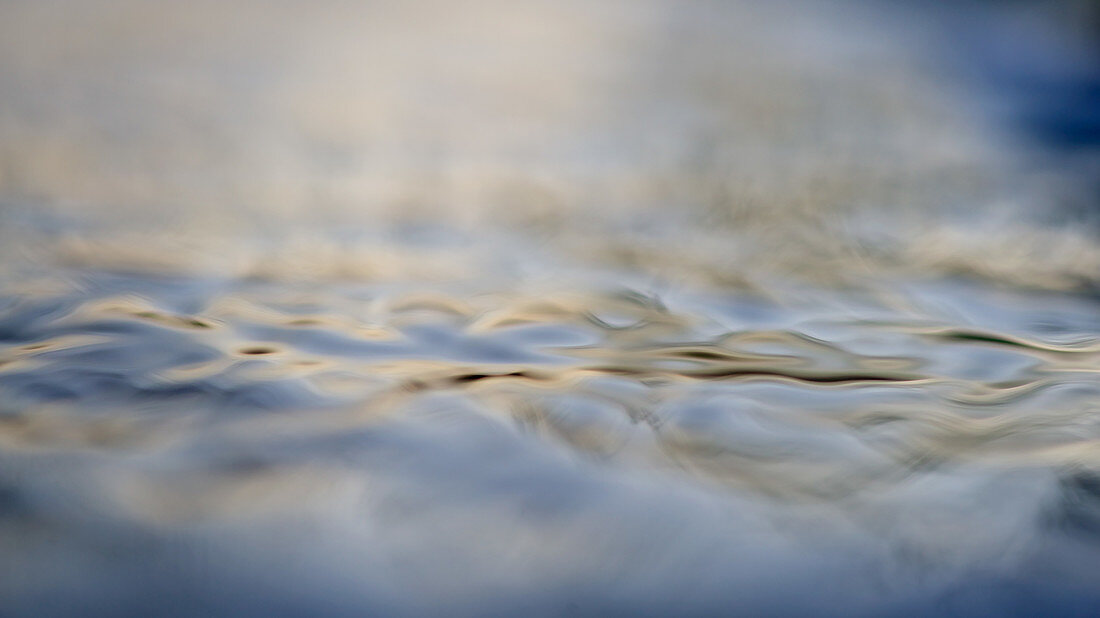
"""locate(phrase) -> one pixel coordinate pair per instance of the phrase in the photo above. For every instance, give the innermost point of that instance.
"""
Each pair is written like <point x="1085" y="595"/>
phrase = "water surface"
<point x="625" y="308"/>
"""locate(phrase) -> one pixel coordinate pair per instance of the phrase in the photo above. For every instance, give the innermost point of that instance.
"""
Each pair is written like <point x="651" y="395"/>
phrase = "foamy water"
<point x="618" y="308"/>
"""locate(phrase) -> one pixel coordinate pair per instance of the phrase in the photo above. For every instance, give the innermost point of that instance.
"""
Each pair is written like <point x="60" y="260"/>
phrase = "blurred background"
<point x="783" y="136"/>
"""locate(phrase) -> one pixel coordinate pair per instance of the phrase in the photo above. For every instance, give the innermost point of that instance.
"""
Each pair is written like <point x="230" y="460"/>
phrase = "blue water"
<point x="548" y="309"/>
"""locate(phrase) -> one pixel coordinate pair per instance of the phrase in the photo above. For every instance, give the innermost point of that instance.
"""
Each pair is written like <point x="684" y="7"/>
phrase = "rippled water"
<point x="639" y="308"/>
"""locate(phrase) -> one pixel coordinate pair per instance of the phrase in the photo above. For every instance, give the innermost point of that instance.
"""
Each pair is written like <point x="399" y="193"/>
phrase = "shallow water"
<point x="639" y="308"/>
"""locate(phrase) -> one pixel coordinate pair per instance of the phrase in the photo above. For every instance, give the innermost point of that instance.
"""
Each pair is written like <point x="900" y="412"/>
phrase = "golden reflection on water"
<point x="943" y="391"/>
<point x="262" y="404"/>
